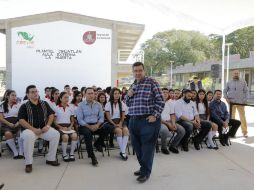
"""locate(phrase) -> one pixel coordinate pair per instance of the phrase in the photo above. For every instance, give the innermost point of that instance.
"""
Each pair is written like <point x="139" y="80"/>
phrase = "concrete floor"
<point x="228" y="168"/>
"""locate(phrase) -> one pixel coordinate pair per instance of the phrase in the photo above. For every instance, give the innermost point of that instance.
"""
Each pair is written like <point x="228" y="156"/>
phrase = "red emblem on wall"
<point x="89" y="37"/>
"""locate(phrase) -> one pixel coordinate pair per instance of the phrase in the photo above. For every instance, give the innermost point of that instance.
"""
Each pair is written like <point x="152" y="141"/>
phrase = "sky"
<point x="205" y="16"/>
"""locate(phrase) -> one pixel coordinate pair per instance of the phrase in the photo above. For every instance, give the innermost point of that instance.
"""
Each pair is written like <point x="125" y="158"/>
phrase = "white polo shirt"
<point x="187" y="110"/>
<point x="74" y="109"/>
<point x="201" y="108"/>
<point x="52" y="105"/>
<point x="116" y="110"/>
<point x="168" y="109"/>
<point x="63" y="115"/>
<point x="13" y="111"/>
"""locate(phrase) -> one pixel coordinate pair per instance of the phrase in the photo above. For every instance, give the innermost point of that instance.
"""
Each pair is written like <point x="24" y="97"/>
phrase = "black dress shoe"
<point x="185" y="148"/>
<point x="123" y="156"/>
<point x="94" y="161"/>
<point x="29" y="168"/>
<point x="196" y="145"/>
<point x="137" y="173"/>
<point x="1" y="186"/>
<point x="53" y="163"/>
<point x="98" y="147"/>
<point x="165" y="151"/>
<point x="174" y="150"/>
<point x="222" y="142"/>
<point x="142" y="179"/>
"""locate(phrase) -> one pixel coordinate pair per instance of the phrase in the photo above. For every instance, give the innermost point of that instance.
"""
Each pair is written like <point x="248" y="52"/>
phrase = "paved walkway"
<point x="228" y="168"/>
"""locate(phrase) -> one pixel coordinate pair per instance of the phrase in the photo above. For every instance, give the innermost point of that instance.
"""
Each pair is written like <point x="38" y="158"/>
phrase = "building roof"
<point x="127" y="33"/>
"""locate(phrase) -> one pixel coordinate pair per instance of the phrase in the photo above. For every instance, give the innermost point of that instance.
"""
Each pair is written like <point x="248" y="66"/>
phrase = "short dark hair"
<point x="74" y="88"/>
<point x="184" y="91"/>
<point x="29" y="87"/>
<point x="136" y="64"/>
<point x="108" y="89"/>
<point x="67" y="86"/>
<point x="47" y="88"/>
<point x="89" y="88"/>
<point x="164" y="89"/>
<point x="177" y="90"/>
<point x="217" y="91"/>
<point x="209" y="92"/>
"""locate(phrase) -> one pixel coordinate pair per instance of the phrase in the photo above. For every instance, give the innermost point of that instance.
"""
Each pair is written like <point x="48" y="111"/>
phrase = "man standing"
<point x="196" y="84"/>
<point x="236" y="91"/>
<point x="36" y="117"/>
<point x="145" y="102"/>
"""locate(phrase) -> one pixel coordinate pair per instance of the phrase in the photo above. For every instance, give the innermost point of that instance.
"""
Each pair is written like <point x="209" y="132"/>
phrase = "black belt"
<point x="139" y="116"/>
<point x="91" y="123"/>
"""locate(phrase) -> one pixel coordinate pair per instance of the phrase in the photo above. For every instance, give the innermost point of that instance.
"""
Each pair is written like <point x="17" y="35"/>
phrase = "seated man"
<point x="168" y="121"/>
<point x="220" y="116"/>
<point x="90" y="118"/>
<point x="188" y="117"/>
<point x="35" y="117"/>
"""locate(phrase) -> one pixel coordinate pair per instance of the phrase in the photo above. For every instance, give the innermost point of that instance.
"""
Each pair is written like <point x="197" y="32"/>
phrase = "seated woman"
<point x="115" y="114"/>
<point x="10" y="125"/>
<point x="77" y="98"/>
<point x="203" y="110"/>
<point x="64" y="122"/>
<point x="53" y="98"/>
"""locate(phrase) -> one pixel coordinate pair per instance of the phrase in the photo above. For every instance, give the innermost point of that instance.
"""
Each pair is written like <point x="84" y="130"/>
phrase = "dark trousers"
<point x="233" y="126"/>
<point x="88" y="135"/>
<point x="143" y="138"/>
<point x="188" y="126"/>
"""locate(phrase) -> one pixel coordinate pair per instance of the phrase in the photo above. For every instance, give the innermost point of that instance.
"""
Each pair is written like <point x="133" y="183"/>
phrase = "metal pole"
<point x="222" y="64"/>
<point x="228" y="44"/>
<point x="171" y="74"/>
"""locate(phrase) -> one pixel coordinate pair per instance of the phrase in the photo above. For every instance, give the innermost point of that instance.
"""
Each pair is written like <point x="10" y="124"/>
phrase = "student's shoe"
<point x="1" y="186"/>
<point x="94" y="161"/>
<point x="29" y="168"/>
<point x="72" y="158"/>
<point x="165" y="151"/>
<point x="142" y="178"/>
<point x="16" y="157"/>
<point x="123" y="156"/>
<point x="53" y="163"/>
<point x="185" y="148"/>
<point x="111" y="145"/>
<point x="20" y="157"/>
<point x="196" y="144"/>
<point x="66" y="158"/>
<point x="137" y="173"/>
<point x="98" y="147"/>
<point x="174" y="150"/>
<point x="222" y="141"/>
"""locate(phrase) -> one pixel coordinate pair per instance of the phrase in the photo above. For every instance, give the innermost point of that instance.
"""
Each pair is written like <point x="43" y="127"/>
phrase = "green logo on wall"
<point x="26" y="36"/>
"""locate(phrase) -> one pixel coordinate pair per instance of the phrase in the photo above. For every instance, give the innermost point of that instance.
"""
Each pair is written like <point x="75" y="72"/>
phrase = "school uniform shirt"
<point x="13" y="110"/>
<point x="51" y="104"/>
<point x="116" y="110"/>
<point x="63" y="115"/>
<point x="201" y="108"/>
<point x="168" y="109"/>
<point x="74" y="108"/>
<point x="188" y="110"/>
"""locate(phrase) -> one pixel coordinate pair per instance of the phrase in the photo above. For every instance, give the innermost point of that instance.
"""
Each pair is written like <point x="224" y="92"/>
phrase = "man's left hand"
<point x="151" y="119"/>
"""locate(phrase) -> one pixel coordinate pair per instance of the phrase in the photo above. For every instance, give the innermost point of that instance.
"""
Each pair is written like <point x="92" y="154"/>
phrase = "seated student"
<point x="102" y="99"/>
<point x="10" y="125"/>
<point x="177" y="94"/>
<point x="64" y="122"/>
<point x="67" y="89"/>
<point x="36" y="118"/>
<point x="168" y="122"/>
<point x="209" y="95"/>
<point x="77" y="98"/>
<point x="188" y="117"/>
<point x="220" y="116"/>
<point x="47" y="93"/>
<point x="194" y="95"/>
<point x="90" y="117"/>
<point x="53" y="99"/>
<point x="204" y="114"/>
<point x="171" y="94"/>
<point x="115" y="113"/>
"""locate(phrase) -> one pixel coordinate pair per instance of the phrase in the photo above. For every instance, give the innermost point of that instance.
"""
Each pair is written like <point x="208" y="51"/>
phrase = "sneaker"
<point x="66" y="158"/>
<point x="72" y="158"/>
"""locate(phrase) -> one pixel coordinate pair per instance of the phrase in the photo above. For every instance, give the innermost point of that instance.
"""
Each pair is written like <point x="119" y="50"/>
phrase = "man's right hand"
<point x="130" y="93"/>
